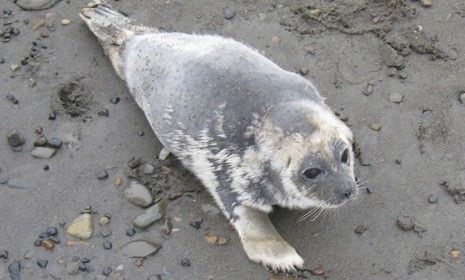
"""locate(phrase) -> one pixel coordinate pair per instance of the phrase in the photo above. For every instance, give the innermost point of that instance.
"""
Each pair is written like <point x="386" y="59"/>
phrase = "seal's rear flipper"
<point x="112" y="28"/>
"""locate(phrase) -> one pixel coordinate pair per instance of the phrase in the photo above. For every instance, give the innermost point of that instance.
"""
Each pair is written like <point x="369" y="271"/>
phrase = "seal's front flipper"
<point x="262" y="243"/>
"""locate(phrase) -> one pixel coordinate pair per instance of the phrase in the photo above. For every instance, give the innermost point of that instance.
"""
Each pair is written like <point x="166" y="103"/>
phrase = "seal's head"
<point x="310" y="153"/>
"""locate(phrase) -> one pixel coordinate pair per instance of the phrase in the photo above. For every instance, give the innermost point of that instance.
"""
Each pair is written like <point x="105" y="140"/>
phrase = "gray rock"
<point x="34" y="5"/>
<point x="14" y="139"/>
<point x="15" y="183"/>
<point x="72" y="268"/>
<point x="148" y="169"/>
<point x="229" y="13"/>
<point x="140" y="248"/>
<point x="151" y="215"/>
<point x="43" y="152"/>
<point x="15" y="270"/>
<point x="102" y="175"/>
<point x="405" y="223"/>
<point x="396" y="97"/>
<point x="29" y="254"/>
<point x="54" y="143"/>
<point x="138" y="194"/>
<point x="433" y="198"/>
<point x="462" y="97"/>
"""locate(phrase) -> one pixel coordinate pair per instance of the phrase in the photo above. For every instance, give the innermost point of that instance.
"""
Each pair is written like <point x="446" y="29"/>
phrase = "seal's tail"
<point x="112" y="29"/>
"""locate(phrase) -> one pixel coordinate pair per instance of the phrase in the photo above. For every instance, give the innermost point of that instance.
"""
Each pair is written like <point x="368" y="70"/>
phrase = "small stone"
<point x="275" y="39"/>
<point x="15" y="270"/>
<point x="15" y="183"/>
<point x="48" y="245"/>
<point x="42" y="263"/>
<point x="31" y="82"/>
<point x="462" y="97"/>
<point x="164" y="153"/>
<point x="85" y="260"/>
<point x="46" y="167"/>
<point x="398" y="161"/>
<point x="229" y="13"/>
<point x="148" y="169"/>
<point x="118" y="181"/>
<point x="52" y="116"/>
<point x="72" y="268"/>
<point x="403" y="75"/>
<point x="43" y="152"/>
<point x="369" y="190"/>
<point x="82" y="227"/>
<point x="211" y="237"/>
<point x="54" y="239"/>
<point x="167" y="226"/>
<point x="131" y="232"/>
<point x="314" y="12"/>
<point x="65" y="21"/>
<point x="304" y="71"/>
<point x="151" y="215"/>
<point x="34" y="5"/>
<point x="375" y="126"/>
<point x="196" y="224"/>
<point x="104" y="220"/>
<point x="41" y="141"/>
<point x="105" y="231"/>
<point x="139" y="262"/>
<point x="54" y="143"/>
<point x="83" y="267"/>
<point x="102" y="175"/>
<point x="14" y="139"/>
<point x="38" y="130"/>
<point x="52" y="231"/>
<point x="433" y="198"/>
<point x="360" y="229"/>
<point x="140" y="133"/>
<point x="2" y="60"/>
<point x="107" y="270"/>
<point x="114" y="100"/>
<point x="138" y="194"/>
<point x="396" y="97"/>
<point x="107" y="245"/>
<point x="14" y="67"/>
<point x="455" y="253"/>
<point x="4" y="254"/>
<point x="426" y="3"/>
<point x="221" y="240"/>
<point x="140" y="248"/>
<point x="369" y="89"/>
<point x="185" y="262"/>
<point x="38" y="242"/>
<point x="405" y="223"/>
<point x="12" y="99"/>
<point x="134" y="163"/>
<point x="392" y="72"/>
<point x="29" y="254"/>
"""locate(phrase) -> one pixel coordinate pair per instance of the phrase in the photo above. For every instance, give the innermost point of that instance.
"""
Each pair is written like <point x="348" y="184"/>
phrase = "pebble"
<point x="38" y="242"/>
<point x="72" y="268"/>
<point x="12" y="99"/>
<point x="118" y="181"/>
<point x="164" y="153"/>
<point x="4" y="254"/>
<point x="48" y="245"/>
<point x="14" y="139"/>
<point x="185" y="262"/>
<point x="43" y="152"/>
<point x="396" y="97"/>
<point x="107" y="245"/>
<point x="14" y="183"/>
<point x="53" y="231"/>
<point x="134" y="163"/>
<point x="82" y="227"/>
<point x="405" y="223"/>
<point x="196" y="224"/>
<point x="15" y="270"/>
<point x="140" y="248"/>
<point x="375" y="126"/>
<point x="426" y="3"/>
<point x="360" y="229"/>
<point x="42" y="263"/>
<point x="54" y="239"/>
<point x="151" y="214"/>
<point x="167" y="226"/>
<point x="229" y="13"/>
<point x="34" y="5"/>
<point x="114" y="100"/>
<point x="29" y="254"/>
<point x="104" y="220"/>
<point x="403" y="75"/>
<point x="131" y="232"/>
<point x="52" y="116"/>
<point x="102" y="175"/>
<point x="138" y="194"/>
<point x="83" y="267"/>
<point x="41" y="141"/>
<point x="65" y="21"/>
<point x="369" y="89"/>
<point x="2" y="60"/>
<point x="462" y="98"/>
<point x="148" y="169"/>
<point x="54" y="143"/>
<point x="433" y="198"/>
<point x="46" y="167"/>
<point x="38" y="130"/>
<point x="369" y="190"/>
<point x="107" y="270"/>
<point x="304" y="71"/>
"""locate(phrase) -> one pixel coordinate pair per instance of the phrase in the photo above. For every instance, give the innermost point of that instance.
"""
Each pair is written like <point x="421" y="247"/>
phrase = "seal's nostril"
<point x="348" y="193"/>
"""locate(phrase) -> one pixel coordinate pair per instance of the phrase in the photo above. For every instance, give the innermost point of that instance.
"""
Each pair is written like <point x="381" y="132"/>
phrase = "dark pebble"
<point x="55" y="143"/>
<point x="42" y="263"/>
<point x="102" y="175"/>
<point x="4" y="254"/>
<point x="14" y="139"/>
<point x="405" y="223"/>
<point x="369" y="190"/>
<point x="83" y="267"/>
<point x="104" y="113"/>
<point x="130" y="232"/>
<point x="134" y="163"/>
<point x="53" y="231"/>
<point x="185" y="262"/>
<point x="54" y="239"/>
<point x="43" y="235"/>
<point x="114" y="100"/>
<point x="433" y="198"/>
<point x="229" y="13"/>
<point x="85" y="260"/>
<point x="15" y="269"/>
<point x="398" y="161"/>
<point x="360" y="229"/>
<point x="46" y="167"/>
<point x="140" y="133"/>
<point x="196" y="224"/>
<point x="107" y="270"/>
<point x="402" y="75"/>
<point x="107" y="245"/>
<point x="52" y="116"/>
<point x="75" y="259"/>
<point x="38" y="242"/>
<point x="2" y="60"/>
<point x="13" y="99"/>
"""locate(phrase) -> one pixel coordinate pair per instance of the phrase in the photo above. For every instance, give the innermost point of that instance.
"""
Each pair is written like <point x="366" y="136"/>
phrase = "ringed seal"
<point x="254" y="134"/>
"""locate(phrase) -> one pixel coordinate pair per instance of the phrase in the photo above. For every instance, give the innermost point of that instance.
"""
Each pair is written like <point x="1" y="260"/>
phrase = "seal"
<point x="254" y="134"/>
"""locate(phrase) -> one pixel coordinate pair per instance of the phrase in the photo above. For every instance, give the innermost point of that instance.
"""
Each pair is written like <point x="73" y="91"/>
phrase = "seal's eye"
<point x="345" y="156"/>
<point x="312" y="173"/>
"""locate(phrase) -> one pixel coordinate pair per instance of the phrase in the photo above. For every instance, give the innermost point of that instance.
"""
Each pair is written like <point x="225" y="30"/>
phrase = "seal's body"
<point x="254" y="134"/>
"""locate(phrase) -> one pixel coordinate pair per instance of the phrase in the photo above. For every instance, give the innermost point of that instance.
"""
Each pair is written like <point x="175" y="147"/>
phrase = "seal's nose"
<point x="347" y="193"/>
